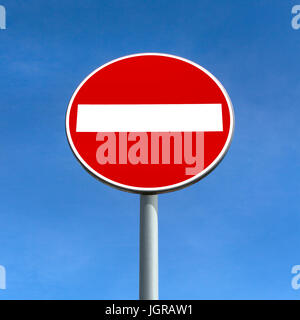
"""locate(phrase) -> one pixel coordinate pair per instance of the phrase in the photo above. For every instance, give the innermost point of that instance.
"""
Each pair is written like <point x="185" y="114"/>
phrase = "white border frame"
<point x="168" y="188"/>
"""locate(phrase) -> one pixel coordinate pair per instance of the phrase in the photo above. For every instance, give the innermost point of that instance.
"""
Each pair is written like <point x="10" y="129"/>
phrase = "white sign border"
<point x="156" y="190"/>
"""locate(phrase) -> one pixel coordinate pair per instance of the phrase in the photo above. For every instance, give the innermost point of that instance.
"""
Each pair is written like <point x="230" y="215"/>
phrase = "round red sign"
<point x="150" y="123"/>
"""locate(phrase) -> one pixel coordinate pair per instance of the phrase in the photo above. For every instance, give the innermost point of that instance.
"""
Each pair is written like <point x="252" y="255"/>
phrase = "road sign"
<point x="150" y="123"/>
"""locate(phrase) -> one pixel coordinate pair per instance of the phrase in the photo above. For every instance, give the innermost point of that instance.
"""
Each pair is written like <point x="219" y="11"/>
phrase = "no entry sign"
<point x="150" y="123"/>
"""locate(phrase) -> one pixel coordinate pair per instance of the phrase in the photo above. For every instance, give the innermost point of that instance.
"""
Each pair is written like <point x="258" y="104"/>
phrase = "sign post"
<point x="150" y="123"/>
<point x="148" y="247"/>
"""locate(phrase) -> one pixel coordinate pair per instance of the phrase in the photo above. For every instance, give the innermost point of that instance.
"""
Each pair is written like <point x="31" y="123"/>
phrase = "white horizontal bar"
<point x="149" y="117"/>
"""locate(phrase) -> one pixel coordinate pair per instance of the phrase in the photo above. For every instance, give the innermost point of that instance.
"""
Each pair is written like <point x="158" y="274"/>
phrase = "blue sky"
<point x="233" y="235"/>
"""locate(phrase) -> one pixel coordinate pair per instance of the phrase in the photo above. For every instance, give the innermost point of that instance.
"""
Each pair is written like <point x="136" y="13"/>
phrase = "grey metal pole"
<point x="148" y="247"/>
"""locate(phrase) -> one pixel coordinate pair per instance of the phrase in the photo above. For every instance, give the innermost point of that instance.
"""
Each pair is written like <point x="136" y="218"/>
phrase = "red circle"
<point x="149" y="79"/>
